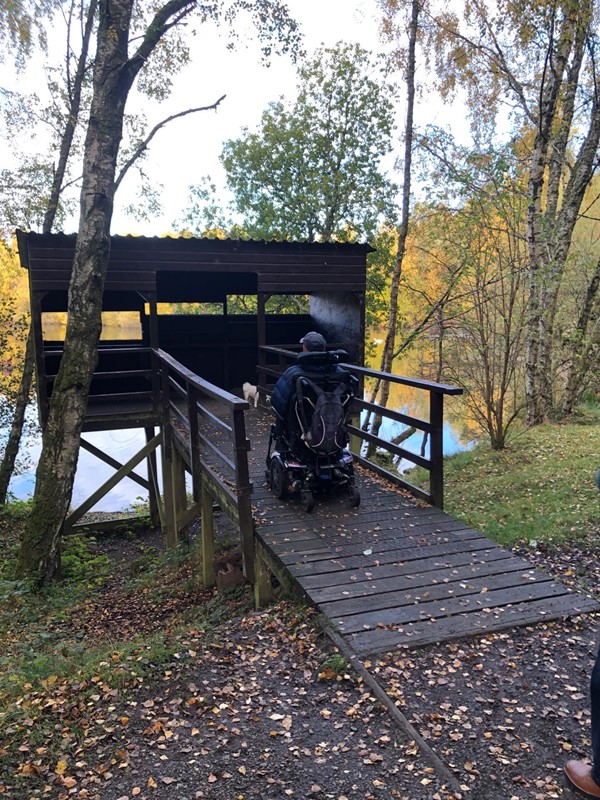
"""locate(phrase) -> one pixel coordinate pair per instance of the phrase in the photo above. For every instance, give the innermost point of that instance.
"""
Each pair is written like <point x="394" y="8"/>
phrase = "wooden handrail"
<point x="391" y="413"/>
<point x="108" y="376"/>
<point x="225" y="477"/>
<point x="199" y="383"/>
<point x="418" y="383"/>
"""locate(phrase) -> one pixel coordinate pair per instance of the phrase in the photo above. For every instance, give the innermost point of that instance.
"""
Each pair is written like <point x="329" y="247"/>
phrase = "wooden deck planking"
<point x="381" y="640"/>
<point x="412" y="590"/>
<point x="378" y="548"/>
<point x="298" y="569"/>
<point x="390" y="577"/>
<point x="405" y="611"/>
<point x="363" y="530"/>
<point x="396" y="573"/>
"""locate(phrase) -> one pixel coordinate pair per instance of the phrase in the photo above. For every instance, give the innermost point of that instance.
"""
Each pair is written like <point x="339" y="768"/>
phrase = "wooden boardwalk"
<point x="394" y="573"/>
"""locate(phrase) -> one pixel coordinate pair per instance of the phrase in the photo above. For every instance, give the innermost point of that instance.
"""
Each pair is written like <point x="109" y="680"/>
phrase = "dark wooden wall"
<point x="283" y="267"/>
<point x="223" y="349"/>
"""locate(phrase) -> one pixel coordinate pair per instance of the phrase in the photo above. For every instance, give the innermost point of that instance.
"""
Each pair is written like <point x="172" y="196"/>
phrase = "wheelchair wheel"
<point x="354" y="496"/>
<point x="278" y="480"/>
<point x="308" y="501"/>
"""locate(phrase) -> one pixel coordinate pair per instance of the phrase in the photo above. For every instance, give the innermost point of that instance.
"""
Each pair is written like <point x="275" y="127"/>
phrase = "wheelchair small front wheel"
<point x="308" y="500"/>
<point x="354" y="496"/>
<point x="278" y="479"/>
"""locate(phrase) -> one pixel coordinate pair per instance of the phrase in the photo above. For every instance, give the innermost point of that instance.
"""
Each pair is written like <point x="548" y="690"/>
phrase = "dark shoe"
<point x="580" y="775"/>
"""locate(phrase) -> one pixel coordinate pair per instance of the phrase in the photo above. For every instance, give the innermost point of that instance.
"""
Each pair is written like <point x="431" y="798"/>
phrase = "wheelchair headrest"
<point x="321" y="358"/>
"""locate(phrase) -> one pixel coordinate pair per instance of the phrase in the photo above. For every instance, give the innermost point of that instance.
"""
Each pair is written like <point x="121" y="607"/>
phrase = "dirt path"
<point x="259" y="705"/>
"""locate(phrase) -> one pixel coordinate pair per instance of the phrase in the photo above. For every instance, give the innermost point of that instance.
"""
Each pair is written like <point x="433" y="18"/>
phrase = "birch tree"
<point x="538" y="61"/>
<point x="48" y="208"/>
<point x="122" y="51"/>
<point x="407" y="56"/>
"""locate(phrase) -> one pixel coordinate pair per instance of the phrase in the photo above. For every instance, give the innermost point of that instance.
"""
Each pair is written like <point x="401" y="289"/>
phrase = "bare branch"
<point x="494" y="57"/>
<point x="143" y="146"/>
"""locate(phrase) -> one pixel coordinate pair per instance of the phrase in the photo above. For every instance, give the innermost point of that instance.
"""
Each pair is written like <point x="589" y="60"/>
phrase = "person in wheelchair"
<point x="307" y="449"/>
<point x="314" y="363"/>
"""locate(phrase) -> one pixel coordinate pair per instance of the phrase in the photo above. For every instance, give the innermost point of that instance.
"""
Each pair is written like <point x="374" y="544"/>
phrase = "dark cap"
<point x="313" y="341"/>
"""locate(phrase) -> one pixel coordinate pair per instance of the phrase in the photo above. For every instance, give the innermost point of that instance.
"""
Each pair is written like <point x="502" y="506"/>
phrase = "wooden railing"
<point x="109" y="373"/>
<point x="433" y="427"/>
<point x="204" y="428"/>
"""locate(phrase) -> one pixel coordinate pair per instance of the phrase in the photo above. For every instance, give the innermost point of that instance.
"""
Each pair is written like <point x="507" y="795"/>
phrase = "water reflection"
<point x="123" y="444"/>
<point x="460" y="431"/>
<point x="92" y="472"/>
<point x="454" y="441"/>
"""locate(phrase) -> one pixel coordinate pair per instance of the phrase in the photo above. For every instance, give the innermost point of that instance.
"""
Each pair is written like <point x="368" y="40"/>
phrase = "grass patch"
<point x="540" y="488"/>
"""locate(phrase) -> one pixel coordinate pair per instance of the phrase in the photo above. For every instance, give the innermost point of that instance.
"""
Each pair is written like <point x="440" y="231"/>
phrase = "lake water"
<point x="459" y="434"/>
<point x="123" y="444"/>
<point x="92" y="472"/>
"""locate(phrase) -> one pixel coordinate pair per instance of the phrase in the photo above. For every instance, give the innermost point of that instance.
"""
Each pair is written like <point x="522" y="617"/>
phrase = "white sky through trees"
<point x="189" y="148"/>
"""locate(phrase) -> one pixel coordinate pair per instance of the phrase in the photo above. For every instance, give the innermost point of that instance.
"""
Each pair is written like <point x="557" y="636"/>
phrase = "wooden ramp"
<point x="394" y="573"/>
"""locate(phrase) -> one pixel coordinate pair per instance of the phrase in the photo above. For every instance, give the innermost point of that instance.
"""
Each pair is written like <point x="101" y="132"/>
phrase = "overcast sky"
<point x="189" y="148"/>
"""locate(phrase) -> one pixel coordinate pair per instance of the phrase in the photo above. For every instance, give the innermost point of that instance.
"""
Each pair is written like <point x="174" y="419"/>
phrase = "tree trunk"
<point x="114" y="74"/>
<point x="549" y="232"/>
<point x="581" y="354"/>
<point x="39" y="556"/>
<point x="74" y="91"/>
<point x="389" y="346"/>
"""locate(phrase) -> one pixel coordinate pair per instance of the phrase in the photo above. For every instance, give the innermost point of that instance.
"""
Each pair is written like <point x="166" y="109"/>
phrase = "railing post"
<point x="167" y="458"/>
<point x="263" y="588"/>
<point x="436" y="476"/>
<point x="261" y="340"/>
<point x="196" y="468"/>
<point x="241" y="445"/>
<point x="154" y="500"/>
<point x="178" y="489"/>
<point x="355" y="441"/>
<point x="207" y="539"/>
<point x="167" y="461"/>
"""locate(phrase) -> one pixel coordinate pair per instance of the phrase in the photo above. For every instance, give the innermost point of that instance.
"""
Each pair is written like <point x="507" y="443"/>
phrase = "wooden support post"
<point x="436" y="445"/>
<point x="154" y="344"/>
<point x="40" y="362"/>
<point x="246" y="523"/>
<point x="153" y="497"/>
<point x="263" y="588"/>
<point x="225" y="340"/>
<point x="355" y="441"/>
<point x="167" y="449"/>
<point x="169" y="504"/>
<point x="207" y="539"/>
<point x="179" y="494"/>
<point x="241" y="445"/>
<point x="196" y="467"/>
<point x="261" y="340"/>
